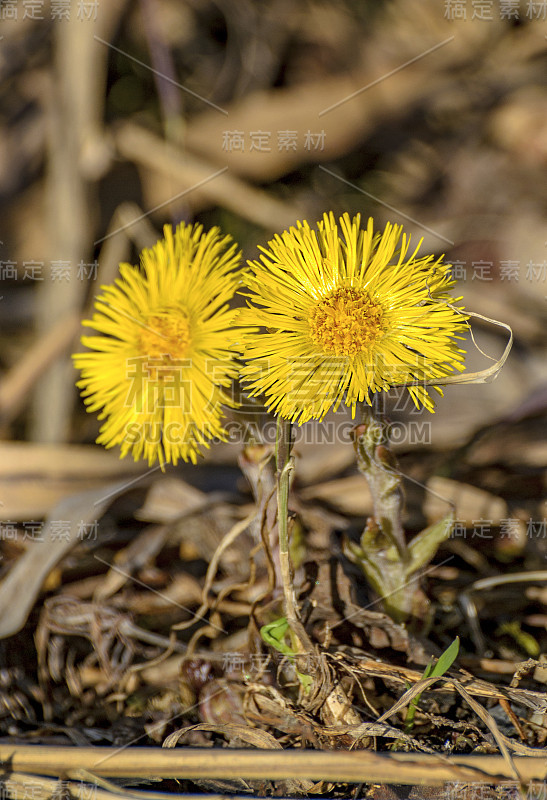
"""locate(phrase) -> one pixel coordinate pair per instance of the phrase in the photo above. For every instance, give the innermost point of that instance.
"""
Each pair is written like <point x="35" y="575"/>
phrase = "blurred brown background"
<point x="120" y="116"/>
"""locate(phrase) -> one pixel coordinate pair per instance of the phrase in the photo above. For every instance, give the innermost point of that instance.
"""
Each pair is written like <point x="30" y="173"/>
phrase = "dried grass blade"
<point x="235" y="531"/>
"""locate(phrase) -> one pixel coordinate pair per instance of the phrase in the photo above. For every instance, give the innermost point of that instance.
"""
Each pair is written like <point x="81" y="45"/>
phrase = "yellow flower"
<point x="159" y="371"/>
<point x="347" y="313"/>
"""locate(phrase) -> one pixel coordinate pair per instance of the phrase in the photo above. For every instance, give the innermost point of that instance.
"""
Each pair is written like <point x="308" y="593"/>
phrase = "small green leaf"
<point x="436" y="670"/>
<point x="274" y="634"/>
<point x="425" y="544"/>
<point x="446" y="659"/>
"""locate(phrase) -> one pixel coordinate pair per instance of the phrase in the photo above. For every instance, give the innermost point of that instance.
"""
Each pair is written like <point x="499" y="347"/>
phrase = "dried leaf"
<point x="26" y="577"/>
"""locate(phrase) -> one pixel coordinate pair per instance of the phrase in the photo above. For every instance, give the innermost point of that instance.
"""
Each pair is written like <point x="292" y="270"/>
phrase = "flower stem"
<point x="382" y="553"/>
<point x="377" y="463"/>
<point x="285" y="465"/>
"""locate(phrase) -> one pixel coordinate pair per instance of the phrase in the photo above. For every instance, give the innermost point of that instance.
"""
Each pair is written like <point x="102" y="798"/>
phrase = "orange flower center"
<point x="164" y="340"/>
<point x="346" y="322"/>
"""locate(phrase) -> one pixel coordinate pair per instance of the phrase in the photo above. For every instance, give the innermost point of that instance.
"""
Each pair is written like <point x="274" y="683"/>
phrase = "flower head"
<point x="159" y="371"/>
<point x="347" y="313"/>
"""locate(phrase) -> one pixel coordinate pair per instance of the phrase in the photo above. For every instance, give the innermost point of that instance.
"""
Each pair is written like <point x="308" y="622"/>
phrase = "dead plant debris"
<point x="132" y="663"/>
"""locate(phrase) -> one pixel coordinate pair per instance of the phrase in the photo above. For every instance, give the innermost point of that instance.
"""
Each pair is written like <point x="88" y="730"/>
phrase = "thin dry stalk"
<point x="236" y="530"/>
<point x="336" y="766"/>
<point x="142" y="147"/>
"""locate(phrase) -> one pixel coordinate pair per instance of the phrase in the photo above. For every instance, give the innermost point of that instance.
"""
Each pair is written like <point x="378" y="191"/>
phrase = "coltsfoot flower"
<point x="160" y="370"/>
<point x="348" y="313"/>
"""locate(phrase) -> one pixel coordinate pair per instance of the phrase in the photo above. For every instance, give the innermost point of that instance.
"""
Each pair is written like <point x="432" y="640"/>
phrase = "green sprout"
<point x="432" y="670"/>
<point x="273" y="634"/>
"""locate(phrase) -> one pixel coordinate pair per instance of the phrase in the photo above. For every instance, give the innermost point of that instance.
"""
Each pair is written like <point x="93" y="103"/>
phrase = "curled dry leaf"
<point x="170" y="498"/>
<point x="249" y="736"/>
<point x="26" y="577"/>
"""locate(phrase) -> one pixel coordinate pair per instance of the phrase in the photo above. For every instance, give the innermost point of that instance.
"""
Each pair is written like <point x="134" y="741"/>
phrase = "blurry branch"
<point x="128" y="224"/>
<point x="169" y="93"/>
<point x="20" y="460"/>
<point x="137" y="144"/>
<point x="299" y="108"/>
<point x="17" y="383"/>
<point x="164" y="73"/>
<point x="68" y="225"/>
<point x="34" y="477"/>
<point x="333" y="766"/>
<point x="74" y="108"/>
<point x="90" y="74"/>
